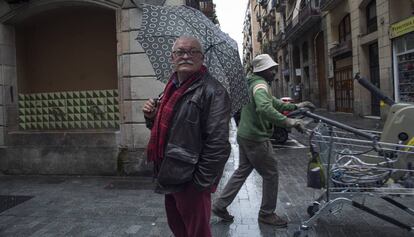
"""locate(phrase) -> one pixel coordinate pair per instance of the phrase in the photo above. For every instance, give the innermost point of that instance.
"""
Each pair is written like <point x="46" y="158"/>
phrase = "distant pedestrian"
<point x="253" y="135"/>
<point x="189" y="142"/>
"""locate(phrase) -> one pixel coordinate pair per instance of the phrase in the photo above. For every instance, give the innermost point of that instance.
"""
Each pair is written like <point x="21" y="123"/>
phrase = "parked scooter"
<point x="281" y="134"/>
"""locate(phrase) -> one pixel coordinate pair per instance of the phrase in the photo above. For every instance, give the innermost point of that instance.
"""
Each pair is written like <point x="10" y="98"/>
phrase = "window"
<point x="371" y="17"/>
<point x="344" y="29"/>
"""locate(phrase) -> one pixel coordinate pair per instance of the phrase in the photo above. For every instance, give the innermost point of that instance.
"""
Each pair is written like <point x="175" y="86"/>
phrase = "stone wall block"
<point x="135" y="20"/>
<point x="4" y="8"/>
<point x="123" y="40"/>
<point x="127" y="114"/>
<point x="135" y="114"/>
<point x="125" y="65"/>
<point x="125" y="20"/>
<point x="145" y="87"/>
<point x="9" y="76"/>
<point x="61" y="160"/>
<point x="141" y="135"/>
<point x="1" y="95"/>
<point x="2" y="130"/>
<point x="134" y="45"/>
<point x="128" y="43"/>
<point x="2" y="75"/>
<point x="117" y="2"/>
<point x="140" y="65"/>
<point x="2" y="115"/>
<point x="6" y="35"/>
<point x="125" y="85"/>
<point x="7" y="55"/>
<point x="126" y="108"/>
<point x="127" y="138"/>
<point x="134" y="162"/>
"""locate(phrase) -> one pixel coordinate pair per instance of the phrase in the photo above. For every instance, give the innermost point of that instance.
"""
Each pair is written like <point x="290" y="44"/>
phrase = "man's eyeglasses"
<point x="191" y="52"/>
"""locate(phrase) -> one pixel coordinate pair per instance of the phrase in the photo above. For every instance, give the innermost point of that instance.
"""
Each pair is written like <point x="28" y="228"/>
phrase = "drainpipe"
<point x="315" y="60"/>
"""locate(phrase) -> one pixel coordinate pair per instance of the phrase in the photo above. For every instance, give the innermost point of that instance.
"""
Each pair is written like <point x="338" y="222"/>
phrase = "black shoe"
<point x="223" y="214"/>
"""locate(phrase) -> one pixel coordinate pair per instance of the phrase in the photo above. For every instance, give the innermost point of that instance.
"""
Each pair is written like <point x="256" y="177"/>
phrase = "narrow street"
<point x="127" y="206"/>
<point x="81" y="81"/>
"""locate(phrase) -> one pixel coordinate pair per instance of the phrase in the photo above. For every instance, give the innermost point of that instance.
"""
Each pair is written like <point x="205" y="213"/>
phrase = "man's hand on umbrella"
<point x="150" y="108"/>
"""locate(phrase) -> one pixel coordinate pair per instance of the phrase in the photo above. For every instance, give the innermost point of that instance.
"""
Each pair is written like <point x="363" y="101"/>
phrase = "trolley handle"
<point x="306" y="112"/>
<point x="296" y="112"/>
<point x="374" y="90"/>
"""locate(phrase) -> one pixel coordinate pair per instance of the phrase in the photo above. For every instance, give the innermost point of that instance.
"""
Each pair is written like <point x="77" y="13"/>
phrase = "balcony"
<point x="327" y="5"/>
<point x="278" y="40"/>
<point x="307" y="18"/>
<point x="206" y="7"/>
<point x="342" y="48"/>
<point x="280" y="5"/>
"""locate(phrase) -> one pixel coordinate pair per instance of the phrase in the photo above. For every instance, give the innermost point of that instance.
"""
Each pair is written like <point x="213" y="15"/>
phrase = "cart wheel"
<point x="281" y="135"/>
<point x="299" y="233"/>
<point x="312" y="209"/>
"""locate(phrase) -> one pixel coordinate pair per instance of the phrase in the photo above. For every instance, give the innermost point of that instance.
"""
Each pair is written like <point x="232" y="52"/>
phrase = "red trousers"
<point x="188" y="212"/>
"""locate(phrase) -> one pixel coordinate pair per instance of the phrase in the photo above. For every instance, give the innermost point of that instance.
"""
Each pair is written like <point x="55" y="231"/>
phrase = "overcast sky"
<point x="230" y="14"/>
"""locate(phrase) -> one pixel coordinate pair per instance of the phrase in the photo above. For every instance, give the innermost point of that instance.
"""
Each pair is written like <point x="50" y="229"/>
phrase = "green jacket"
<point x="263" y="112"/>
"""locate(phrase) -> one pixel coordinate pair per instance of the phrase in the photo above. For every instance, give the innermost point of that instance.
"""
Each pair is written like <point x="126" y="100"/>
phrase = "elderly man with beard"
<point x="189" y="141"/>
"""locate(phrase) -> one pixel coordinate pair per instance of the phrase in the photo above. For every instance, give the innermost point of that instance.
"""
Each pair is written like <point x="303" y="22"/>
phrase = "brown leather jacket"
<point x="197" y="146"/>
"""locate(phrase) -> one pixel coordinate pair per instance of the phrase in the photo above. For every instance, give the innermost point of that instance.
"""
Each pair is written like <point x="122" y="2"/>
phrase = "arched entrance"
<point x="67" y="69"/>
<point x="62" y="90"/>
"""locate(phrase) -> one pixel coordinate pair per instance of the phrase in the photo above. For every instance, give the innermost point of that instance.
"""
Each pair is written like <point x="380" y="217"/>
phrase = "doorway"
<point x="67" y="72"/>
<point x="344" y="89"/>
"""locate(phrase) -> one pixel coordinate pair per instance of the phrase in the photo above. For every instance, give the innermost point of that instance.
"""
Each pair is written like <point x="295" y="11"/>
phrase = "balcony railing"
<point x="327" y="5"/>
<point x="206" y="7"/>
<point x="306" y="18"/>
<point x="341" y="48"/>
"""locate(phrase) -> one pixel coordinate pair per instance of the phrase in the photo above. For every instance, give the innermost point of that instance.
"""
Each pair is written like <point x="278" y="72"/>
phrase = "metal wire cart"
<point x="351" y="165"/>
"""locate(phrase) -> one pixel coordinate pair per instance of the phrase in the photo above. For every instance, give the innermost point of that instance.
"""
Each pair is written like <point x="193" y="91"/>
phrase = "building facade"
<point x="321" y="45"/>
<point x="73" y="80"/>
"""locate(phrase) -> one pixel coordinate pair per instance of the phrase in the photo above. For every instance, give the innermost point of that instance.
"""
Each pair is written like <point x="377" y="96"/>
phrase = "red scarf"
<point x="156" y="144"/>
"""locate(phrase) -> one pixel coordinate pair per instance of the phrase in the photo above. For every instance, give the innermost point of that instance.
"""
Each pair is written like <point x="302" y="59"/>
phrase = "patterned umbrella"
<point x="161" y="26"/>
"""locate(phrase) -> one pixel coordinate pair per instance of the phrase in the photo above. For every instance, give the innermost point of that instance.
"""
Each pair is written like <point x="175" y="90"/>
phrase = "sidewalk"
<point x="353" y="120"/>
<point x="66" y="206"/>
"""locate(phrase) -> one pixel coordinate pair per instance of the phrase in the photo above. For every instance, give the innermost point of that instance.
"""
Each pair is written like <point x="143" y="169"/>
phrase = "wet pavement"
<point x="353" y="120"/>
<point x="127" y="206"/>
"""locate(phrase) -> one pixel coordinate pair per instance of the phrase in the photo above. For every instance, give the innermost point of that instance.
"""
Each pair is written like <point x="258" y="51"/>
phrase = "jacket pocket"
<point x="178" y="165"/>
<point x="193" y="112"/>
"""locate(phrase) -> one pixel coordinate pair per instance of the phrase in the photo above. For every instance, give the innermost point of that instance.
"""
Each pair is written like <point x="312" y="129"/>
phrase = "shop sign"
<point x="402" y="27"/>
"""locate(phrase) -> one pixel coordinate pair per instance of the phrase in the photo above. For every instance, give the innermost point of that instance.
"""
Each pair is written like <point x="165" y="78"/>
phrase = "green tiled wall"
<point x="69" y="110"/>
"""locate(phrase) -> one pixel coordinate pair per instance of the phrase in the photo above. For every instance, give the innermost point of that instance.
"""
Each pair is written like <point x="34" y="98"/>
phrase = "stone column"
<point x="137" y="84"/>
<point x="384" y="52"/>
<point x="8" y="90"/>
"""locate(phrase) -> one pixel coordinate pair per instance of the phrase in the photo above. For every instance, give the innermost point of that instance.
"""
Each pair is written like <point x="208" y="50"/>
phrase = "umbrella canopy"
<point x="161" y="26"/>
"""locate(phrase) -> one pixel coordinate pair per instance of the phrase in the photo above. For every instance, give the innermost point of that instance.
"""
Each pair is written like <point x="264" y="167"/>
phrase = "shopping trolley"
<point x="350" y="165"/>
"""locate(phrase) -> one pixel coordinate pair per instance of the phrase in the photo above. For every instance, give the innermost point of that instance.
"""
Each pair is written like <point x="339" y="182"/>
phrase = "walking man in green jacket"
<point x="253" y="136"/>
